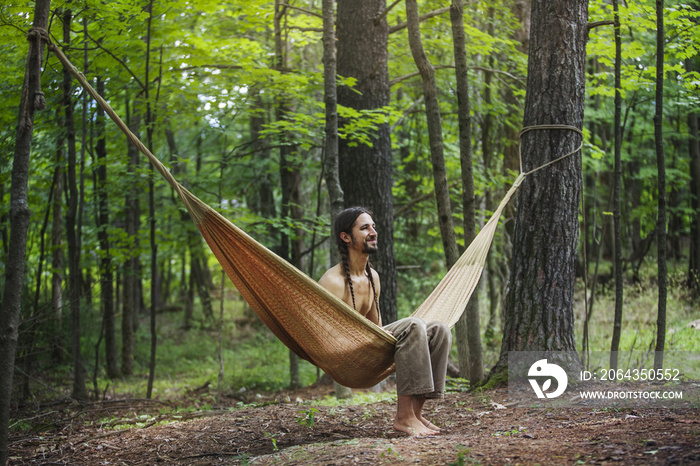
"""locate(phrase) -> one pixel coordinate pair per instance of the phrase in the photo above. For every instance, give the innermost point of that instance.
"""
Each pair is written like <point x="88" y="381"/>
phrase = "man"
<point x="421" y="350"/>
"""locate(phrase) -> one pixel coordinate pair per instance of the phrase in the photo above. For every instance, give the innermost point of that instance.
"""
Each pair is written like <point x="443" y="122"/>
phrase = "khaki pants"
<point x="421" y="356"/>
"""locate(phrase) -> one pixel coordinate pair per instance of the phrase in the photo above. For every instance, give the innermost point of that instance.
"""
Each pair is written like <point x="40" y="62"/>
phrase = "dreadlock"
<point x="343" y="223"/>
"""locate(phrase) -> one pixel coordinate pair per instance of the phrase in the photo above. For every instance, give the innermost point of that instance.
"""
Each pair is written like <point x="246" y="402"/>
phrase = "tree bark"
<point x="488" y="151"/>
<point x="155" y="274"/>
<point x="661" y="169"/>
<point x="106" y="273"/>
<point x="472" y="363"/>
<point x="522" y="10"/>
<point x="330" y="99"/>
<point x="32" y="100"/>
<point x="132" y="267"/>
<point x="442" y="192"/>
<point x="330" y="165"/>
<point x="539" y="303"/>
<point x="432" y="110"/>
<point x="57" y="256"/>
<point x="365" y="171"/>
<point x="291" y="246"/>
<point x="694" y="151"/>
<point x="617" y="182"/>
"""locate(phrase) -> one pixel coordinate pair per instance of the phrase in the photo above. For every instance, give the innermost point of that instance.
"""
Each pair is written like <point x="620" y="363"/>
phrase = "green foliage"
<point x="309" y="417"/>
<point x="639" y="319"/>
<point x="215" y="85"/>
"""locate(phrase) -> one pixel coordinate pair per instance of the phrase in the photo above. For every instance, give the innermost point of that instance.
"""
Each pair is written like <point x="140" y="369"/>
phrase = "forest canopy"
<point x="230" y="96"/>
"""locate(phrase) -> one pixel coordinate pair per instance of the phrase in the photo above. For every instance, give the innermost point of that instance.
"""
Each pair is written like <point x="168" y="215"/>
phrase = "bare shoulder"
<point x="334" y="281"/>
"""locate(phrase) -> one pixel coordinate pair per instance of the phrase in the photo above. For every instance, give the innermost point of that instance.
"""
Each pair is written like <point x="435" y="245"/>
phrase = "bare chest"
<point x="362" y="292"/>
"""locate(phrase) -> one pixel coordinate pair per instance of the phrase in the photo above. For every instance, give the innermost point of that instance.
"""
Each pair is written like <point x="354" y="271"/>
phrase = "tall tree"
<point x="330" y="99"/>
<point x="155" y="274"/>
<point x="617" y="182"/>
<point x="694" y="150"/>
<point x="365" y="170"/>
<point x="468" y="324"/>
<point x="57" y="251"/>
<point x="106" y="272"/>
<point x="291" y="246"/>
<point x="539" y="304"/>
<point x="32" y="100"/>
<point x="132" y="267"/>
<point x="432" y="110"/>
<point x="661" y="186"/>
<point x="330" y="167"/>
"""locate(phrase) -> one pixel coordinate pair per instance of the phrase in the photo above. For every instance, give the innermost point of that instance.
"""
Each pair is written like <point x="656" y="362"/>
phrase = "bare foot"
<point x="429" y="424"/>
<point x="414" y="427"/>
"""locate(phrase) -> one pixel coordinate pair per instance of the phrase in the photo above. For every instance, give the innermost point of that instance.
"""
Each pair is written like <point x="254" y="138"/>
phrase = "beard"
<point x="367" y="248"/>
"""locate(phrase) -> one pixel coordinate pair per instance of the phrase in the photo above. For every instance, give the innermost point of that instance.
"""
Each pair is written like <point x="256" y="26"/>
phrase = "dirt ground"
<point x="284" y="429"/>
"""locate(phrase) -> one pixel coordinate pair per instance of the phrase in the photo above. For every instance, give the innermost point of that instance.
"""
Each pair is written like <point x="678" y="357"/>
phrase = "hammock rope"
<point x="308" y="319"/>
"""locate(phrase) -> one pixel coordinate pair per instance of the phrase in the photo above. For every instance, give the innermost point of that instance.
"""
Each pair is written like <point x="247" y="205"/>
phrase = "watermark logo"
<point x="542" y="369"/>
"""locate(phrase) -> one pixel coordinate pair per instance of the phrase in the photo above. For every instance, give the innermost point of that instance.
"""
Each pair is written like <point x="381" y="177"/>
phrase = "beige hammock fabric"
<point x="308" y="319"/>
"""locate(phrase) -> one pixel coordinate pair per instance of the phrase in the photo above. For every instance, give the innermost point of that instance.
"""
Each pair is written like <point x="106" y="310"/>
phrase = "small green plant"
<point x="310" y="417"/>
<point x="508" y="433"/>
<point x="390" y="454"/>
<point x="273" y="440"/>
<point x="464" y="458"/>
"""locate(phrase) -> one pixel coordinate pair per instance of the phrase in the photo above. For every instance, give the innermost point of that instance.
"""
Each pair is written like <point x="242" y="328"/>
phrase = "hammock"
<point x="308" y="319"/>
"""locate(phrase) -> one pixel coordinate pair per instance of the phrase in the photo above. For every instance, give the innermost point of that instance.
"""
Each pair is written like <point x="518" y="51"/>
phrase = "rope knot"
<point x="546" y="127"/>
<point x="39" y="101"/>
<point x="38" y="33"/>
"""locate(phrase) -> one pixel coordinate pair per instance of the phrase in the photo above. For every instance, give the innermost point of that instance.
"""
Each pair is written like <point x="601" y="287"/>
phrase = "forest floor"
<point x="284" y="428"/>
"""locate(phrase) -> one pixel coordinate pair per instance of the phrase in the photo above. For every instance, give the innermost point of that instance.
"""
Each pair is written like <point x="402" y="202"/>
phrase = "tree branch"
<point x="386" y="12"/>
<point x="120" y="61"/>
<point x="218" y="67"/>
<point x="297" y="28"/>
<point x="441" y="67"/>
<point x="429" y="15"/>
<point x="600" y="23"/>
<point x="491" y="70"/>
<point x="303" y="10"/>
<point x="416" y="73"/>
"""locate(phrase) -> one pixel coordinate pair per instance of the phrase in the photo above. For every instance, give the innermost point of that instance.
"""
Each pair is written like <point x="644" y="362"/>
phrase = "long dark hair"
<point x="343" y="223"/>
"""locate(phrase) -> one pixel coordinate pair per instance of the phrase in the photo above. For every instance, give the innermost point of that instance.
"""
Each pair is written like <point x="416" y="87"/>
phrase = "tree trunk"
<point x="155" y="274"/>
<point x="330" y="98"/>
<point x="32" y="100"/>
<point x="290" y="177"/>
<point x="432" y="110"/>
<point x="694" y="150"/>
<point x="442" y="192"/>
<point x="521" y="9"/>
<point x="661" y="169"/>
<point x="365" y="171"/>
<point x="57" y="258"/>
<point x="203" y="275"/>
<point x="330" y="167"/>
<point x="539" y="304"/>
<point x="617" y="206"/>
<point x="80" y="182"/>
<point x="3" y="230"/>
<point x="488" y="150"/>
<point x="106" y="274"/>
<point x="471" y="363"/>
<point x="132" y="267"/>
<point x="75" y="281"/>
<point x="264" y="201"/>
